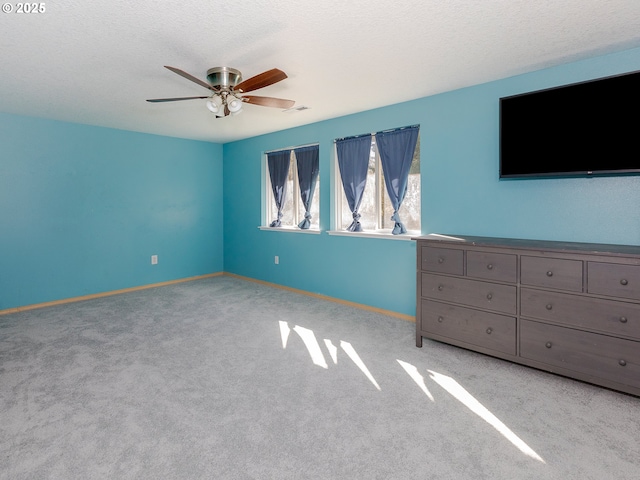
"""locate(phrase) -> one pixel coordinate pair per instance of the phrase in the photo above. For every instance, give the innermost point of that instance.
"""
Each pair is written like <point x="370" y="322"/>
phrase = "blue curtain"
<point x="308" y="163"/>
<point x="353" y="160"/>
<point x="396" y="149"/>
<point x="278" y="163"/>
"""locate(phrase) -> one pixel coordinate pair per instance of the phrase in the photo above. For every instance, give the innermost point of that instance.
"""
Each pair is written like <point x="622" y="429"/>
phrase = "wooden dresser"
<point x="567" y="308"/>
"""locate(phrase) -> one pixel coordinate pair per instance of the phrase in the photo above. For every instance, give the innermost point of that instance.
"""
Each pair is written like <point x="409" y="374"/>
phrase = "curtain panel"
<point x="278" y="164"/>
<point x="396" y="148"/>
<point x="353" y="160"/>
<point x="308" y="163"/>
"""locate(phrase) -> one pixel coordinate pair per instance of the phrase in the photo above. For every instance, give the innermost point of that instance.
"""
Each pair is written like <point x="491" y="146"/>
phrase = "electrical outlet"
<point x="276" y="260"/>
<point x="154" y="259"/>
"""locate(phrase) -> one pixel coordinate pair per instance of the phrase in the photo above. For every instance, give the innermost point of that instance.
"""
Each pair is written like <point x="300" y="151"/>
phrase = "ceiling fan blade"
<point x="191" y="77"/>
<point x="268" y="101"/>
<point x="157" y="100"/>
<point x="262" y="80"/>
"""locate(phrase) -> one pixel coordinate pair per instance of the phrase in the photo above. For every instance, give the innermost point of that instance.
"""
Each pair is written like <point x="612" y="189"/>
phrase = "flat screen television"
<point x="582" y="129"/>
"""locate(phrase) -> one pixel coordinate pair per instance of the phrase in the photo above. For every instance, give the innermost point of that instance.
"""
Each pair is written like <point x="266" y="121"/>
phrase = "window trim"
<point x="267" y="194"/>
<point x="337" y="199"/>
<point x="290" y="229"/>
<point x="409" y="236"/>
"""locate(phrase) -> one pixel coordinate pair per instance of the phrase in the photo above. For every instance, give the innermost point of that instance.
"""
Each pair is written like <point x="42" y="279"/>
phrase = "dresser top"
<point x="548" y="245"/>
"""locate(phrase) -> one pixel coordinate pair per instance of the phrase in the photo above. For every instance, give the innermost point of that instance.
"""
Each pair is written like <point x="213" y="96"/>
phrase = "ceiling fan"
<point x="227" y="90"/>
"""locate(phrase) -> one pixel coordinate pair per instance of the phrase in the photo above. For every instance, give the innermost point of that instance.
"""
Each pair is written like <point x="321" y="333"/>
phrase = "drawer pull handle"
<point x="440" y="287"/>
<point x="623" y="319"/>
<point x="549" y="273"/>
<point x="622" y="363"/>
<point x="489" y="296"/>
<point x="623" y="281"/>
<point x="548" y="344"/>
<point x="489" y="330"/>
<point x="549" y="306"/>
<point x="440" y="260"/>
<point x="490" y="266"/>
<point x="440" y="319"/>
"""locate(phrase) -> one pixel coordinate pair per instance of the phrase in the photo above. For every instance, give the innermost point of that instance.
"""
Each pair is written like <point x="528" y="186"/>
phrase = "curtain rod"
<point x="382" y="131"/>
<point x="292" y="148"/>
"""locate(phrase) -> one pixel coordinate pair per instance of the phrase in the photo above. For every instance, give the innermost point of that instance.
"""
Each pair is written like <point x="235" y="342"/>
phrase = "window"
<point x="299" y="175"/>
<point x="376" y="208"/>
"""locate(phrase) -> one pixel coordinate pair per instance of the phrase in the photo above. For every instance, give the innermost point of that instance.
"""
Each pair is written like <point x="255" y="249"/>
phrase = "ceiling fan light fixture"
<point x="234" y="103"/>
<point x="214" y="104"/>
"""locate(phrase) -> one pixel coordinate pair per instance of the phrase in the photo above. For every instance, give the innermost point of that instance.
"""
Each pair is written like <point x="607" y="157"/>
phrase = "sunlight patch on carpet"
<point x="333" y="350"/>
<point x="468" y="400"/>
<point x="284" y="332"/>
<point x="315" y="352"/>
<point x="353" y="355"/>
<point x="415" y="375"/>
<point x="310" y="341"/>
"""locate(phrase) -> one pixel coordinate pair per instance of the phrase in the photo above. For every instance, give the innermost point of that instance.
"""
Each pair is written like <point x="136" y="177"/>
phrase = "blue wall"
<point x="82" y="209"/>
<point x="461" y="193"/>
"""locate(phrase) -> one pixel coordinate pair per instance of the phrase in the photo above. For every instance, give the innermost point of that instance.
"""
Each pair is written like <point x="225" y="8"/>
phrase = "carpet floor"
<point x="230" y="379"/>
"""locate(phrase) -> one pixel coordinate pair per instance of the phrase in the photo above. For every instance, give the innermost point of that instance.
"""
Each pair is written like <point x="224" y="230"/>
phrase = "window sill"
<point x="388" y="236"/>
<point x="290" y="230"/>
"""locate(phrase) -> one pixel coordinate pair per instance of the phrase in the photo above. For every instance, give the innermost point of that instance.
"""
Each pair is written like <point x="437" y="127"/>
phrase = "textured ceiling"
<point x="96" y="62"/>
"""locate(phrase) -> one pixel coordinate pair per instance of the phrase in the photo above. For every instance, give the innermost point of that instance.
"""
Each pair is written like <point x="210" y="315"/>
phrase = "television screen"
<point x="588" y="128"/>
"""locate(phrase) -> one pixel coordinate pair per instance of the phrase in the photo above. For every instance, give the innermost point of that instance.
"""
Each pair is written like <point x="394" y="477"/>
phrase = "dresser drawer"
<point x="605" y="316"/>
<point x="601" y="356"/>
<point x="551" y="273"/>
<point x="484" y="329"/>
<point x="613" y="279"/>
<point x="443" y="260"/>
<point x="492" y="266"/>
<point x="473" y="293"/>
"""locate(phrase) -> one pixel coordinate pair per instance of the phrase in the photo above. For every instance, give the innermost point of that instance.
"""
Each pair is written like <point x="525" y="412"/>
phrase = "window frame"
<point x="268" y="200"/>
<point x="380" y="190"/>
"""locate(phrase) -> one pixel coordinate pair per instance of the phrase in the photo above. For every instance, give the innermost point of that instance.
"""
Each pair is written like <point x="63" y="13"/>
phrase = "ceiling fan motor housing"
<point x="223" y="77"/>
